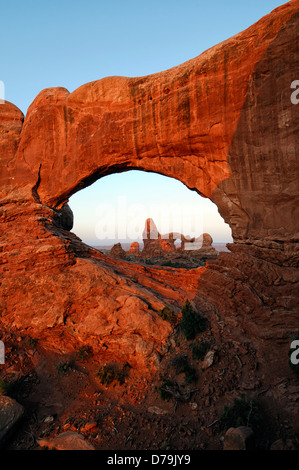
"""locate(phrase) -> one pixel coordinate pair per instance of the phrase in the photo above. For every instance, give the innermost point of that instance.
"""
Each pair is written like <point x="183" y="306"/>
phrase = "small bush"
<point x="4" y="387"/>
<point x="164" y="394"/>
<point x="108" y="373"/>
<point x="84" y="352"/>
<point x="199" y="350"/>
<point x="9" y="388"/>
<point x="240" y="413"/>
<point x="192" y="322"/>
<point x="294" y="367"/>
<point x="173" y="264"/>
<point x="190" y="375"/>
<point x="181" y="365"/>
<point x="31" y="341"/>
<point x="168" y="315"/>
<point x="64" y="367"/>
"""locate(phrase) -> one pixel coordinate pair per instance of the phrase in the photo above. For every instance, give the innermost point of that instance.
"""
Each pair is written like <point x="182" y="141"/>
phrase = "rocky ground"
<point x="62" y="394"/>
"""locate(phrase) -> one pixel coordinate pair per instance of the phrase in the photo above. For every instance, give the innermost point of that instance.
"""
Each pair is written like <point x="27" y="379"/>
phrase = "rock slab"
<point x="67" y="441"/>
<point x="240" y="438"/>
<point x="11" y="413"/>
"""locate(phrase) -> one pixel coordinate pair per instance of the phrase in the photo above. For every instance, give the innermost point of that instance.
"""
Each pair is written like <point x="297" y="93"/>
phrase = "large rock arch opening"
<point x="114" y="210"/>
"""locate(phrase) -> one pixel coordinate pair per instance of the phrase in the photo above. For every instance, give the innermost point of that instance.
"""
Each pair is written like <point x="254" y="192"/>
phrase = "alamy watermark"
<point x="126" y="221"/>
<point x="295" y="95"/>
<point x="294" y="357"/>
<point x="2" y="353"/>
<point x="2" y="92"/>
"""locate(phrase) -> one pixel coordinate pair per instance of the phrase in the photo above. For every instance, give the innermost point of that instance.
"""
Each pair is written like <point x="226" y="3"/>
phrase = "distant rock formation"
<point x="156" y="244"/>
<point x="161" y="249"/>
<point x="134" y="249"/>
<point x="152" y="240"/>
<point x="117" y="251"/>
<point x="201" y="245"/>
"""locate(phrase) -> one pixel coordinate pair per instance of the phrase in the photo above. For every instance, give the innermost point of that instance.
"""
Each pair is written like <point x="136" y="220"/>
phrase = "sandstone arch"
<point x="223" y="124"/>
<point x="193" y="122"/>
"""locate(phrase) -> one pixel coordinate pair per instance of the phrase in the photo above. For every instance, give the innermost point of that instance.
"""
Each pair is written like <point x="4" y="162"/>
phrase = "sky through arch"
<point x="114" y="209"/>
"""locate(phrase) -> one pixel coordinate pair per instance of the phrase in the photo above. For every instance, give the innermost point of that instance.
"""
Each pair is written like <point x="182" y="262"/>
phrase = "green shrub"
<point x="168" y="315"/>
<point x="4" y="387"/>
<point x="190" y="374"/>
<point x="9" y="388"/>
<point x="108" y="373"/>
<point x="181" y="365"/>
<point x="164" y="394"/>
<point x="31" y="341"/>
<point x="240" y="413"/>
<point x="192" y="322"/>
<point x="199" y="349"/>
<point x="294" y="367"/>
<point x="173" y="264"/>
<point x="64" y="367"/>
<point x="84" y="352"/>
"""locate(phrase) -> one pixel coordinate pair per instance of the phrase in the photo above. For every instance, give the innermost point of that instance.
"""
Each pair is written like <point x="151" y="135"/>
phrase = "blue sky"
<point x="68" y="43"/>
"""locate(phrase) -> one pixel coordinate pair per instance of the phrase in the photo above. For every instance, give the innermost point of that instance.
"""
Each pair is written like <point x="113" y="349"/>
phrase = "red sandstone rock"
<point x="163" y="246"/>
<point x="203" y="246"/>
<point x="134" y="249"/>
<point x="223" y="123"/>
<point x="238" y="439"/>
<point x="193" y="122"/>
<point x="66" y="441"/>
<point x="11" y="121"/>
<point x="11" y="412"/>
<point x="151" y="240"/>
<point x="117" y="251"/>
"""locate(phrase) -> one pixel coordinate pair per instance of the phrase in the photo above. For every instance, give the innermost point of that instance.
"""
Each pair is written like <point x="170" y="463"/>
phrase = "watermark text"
<point x="126" y="221"/>
<point x="2" y="92"/>
<point x="295" y="95"/>
<point x="294" y="357"/>
<point x="2" y="353"/>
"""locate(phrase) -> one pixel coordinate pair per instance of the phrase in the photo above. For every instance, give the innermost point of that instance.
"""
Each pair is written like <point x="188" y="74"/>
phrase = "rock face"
<point x="238" y="439"/>
<point x="10" y="414"/>
<point x="223" y="124"/>
<point x="117" y="251"/>
<point x="197" y="115"/>
<point x="66" y="441"/>
<point x="154" y="244"/>
<point x="134" y="249"/>
<point x="159" y="249"/>
<point x="163" y="246"/>
<point x="201" y="245"/>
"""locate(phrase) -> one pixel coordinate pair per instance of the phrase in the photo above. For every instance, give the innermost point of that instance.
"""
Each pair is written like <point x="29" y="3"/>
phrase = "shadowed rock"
<point x="66" y="441"/>
<point x="134" y="249"/>
<point x="117" y="251"/>
<point x="11" y="413"/>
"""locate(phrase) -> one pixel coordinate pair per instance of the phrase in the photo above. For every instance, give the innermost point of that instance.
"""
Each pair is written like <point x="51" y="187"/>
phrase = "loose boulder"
<point x="66" y="441"/>
<point x="11" y="413"/>
<point x="240" y="438"/>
